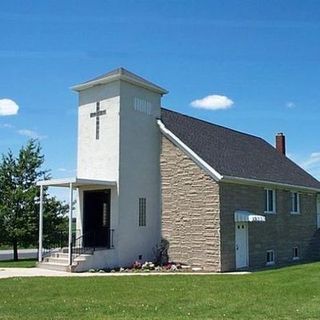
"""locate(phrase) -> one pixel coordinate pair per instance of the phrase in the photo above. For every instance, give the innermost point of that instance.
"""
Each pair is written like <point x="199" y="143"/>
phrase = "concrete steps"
<point x="54" y="266"/>
<point x="59" y="260"/>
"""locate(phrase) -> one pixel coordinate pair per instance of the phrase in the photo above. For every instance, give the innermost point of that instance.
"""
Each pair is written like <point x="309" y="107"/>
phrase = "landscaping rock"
<point x="196" y="269"/>
<point x="173" y="268"/>
<point x="185" y="267"/>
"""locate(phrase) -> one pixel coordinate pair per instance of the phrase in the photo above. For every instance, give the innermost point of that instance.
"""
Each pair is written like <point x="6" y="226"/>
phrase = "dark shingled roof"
<point x="234" y="153"/>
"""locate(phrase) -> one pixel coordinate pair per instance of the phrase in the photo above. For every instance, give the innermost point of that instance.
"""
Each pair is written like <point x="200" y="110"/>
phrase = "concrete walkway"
<point x="37" y="272"/>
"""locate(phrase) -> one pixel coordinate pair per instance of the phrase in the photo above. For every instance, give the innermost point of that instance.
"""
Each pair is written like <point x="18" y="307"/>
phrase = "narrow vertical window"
<point x="142" y="212"/>
<point x="295" y="202"/>
<point x="270" y="257"/>
<point x="104" y="215"/>
<point x="270" y="201"/>
<point x="295" y="253"/>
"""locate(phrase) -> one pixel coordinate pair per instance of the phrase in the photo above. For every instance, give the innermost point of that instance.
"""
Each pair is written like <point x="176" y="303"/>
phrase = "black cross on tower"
<point x="97" y="115"/>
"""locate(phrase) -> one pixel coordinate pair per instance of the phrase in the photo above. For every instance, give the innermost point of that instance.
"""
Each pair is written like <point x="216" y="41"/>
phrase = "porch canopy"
<point x="246" y="216"/>
<point x="71" y="183"/>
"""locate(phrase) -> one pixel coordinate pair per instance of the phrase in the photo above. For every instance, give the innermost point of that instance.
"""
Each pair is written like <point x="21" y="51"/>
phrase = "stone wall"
<point x="281" y="231"/>
<point x="190" y="210"/>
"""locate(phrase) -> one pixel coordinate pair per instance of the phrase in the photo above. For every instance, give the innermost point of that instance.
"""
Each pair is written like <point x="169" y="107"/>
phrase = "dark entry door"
<point x="96" y="218"/>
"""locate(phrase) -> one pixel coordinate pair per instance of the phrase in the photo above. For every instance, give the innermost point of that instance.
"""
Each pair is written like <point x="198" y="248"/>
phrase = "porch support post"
<point x="40" y="224"/>
<point x="70" y="223"/>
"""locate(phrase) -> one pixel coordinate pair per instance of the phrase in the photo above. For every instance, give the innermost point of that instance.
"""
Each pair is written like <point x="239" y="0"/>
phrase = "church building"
<point x="221" y="200"/>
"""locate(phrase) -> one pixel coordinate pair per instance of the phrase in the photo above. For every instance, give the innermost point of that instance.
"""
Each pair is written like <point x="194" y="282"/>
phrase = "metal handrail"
<point x="78" y="247"/>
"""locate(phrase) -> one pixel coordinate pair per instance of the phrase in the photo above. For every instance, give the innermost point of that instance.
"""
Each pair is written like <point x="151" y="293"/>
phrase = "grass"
<point x="288" y="293"/>
<point x="22" y="263"/>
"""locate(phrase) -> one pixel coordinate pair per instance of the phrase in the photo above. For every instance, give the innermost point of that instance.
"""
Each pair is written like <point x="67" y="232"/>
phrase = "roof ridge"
<point x="214" y="124"/>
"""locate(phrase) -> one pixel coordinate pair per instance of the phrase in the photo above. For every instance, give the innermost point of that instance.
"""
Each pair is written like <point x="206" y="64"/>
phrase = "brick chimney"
<point x="281" y="143"/>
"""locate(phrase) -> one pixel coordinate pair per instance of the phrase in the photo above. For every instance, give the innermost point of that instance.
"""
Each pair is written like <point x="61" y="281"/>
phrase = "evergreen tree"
<point x="19" y="199"/>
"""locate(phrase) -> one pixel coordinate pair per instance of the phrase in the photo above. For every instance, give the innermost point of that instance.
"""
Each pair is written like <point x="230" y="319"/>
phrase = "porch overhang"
<point x="75" y="182"/>
<point x="246" y="216"/>
<point x="72" y="184"/>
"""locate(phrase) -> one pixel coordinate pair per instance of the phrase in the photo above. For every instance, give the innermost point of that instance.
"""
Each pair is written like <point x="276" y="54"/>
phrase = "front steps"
<point x="58" y="260"/>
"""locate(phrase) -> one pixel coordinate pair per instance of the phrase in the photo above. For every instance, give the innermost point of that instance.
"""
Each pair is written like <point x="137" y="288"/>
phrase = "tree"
<point x="19" y="198"/>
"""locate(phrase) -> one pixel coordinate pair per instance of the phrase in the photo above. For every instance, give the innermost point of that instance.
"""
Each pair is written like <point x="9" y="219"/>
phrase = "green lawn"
<point x="289" y="293"/>
<point x="22" y="263"/>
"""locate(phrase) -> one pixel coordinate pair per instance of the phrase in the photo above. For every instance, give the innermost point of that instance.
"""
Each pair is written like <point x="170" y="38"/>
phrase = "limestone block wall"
<point x="281" y="231"/>
<point x="190" y="210"/>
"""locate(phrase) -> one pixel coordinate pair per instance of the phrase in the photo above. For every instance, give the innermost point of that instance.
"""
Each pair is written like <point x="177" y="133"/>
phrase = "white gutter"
<point x="204" y="165"/>
<point x="229" y="179"/>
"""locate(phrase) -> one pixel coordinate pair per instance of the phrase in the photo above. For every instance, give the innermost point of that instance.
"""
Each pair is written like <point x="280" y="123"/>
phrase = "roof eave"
<point x="111" y="78"/>
<point x="75" y="182"/>
<point x="265" y="183"/>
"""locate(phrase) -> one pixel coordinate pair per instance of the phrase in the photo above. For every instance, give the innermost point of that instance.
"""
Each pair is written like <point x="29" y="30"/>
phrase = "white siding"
<point x="128" y="152"/>
<point x="99" y="159"/>
<point x="139" y="173"/>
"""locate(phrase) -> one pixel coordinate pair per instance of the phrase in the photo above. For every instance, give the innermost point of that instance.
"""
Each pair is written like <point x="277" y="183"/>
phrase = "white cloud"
<point x="213" y="102"/>
<point x="290" y="104"/>
<point x="8" y="107"/>
<point x="6" y="126"/>
<point x="311" y="164"/>
<point x="31" y="134"/>
<point x="312" y="161"/>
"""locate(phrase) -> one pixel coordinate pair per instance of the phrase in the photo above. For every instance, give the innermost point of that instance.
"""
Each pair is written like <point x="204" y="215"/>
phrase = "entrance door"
<point x="241" y="245"/>
<point x="96" y="218"/>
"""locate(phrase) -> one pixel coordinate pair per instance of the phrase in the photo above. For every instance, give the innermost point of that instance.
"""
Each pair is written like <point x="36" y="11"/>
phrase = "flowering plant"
<point x="136" y="265"/>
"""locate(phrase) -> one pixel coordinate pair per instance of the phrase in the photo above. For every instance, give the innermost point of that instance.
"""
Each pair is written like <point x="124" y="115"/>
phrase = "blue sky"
<point x="262" y="55"/>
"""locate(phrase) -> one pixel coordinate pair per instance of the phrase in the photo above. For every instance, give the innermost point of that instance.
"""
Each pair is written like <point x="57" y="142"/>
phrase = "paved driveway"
<point x="22" y="254"/>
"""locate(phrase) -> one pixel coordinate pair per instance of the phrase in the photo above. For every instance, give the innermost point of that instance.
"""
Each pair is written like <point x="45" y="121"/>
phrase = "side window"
<point x="142" y="212"/>
<point x="295" y="253"/>
<point x="295" y="202"/>
<point x="270" y="257"/>
<point x="269" y="201"/>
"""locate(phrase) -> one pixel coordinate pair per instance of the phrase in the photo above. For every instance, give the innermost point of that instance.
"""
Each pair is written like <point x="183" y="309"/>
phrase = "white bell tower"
<point x="119" y="140"/>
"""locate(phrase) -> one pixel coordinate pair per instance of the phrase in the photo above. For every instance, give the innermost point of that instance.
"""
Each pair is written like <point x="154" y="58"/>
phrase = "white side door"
<point x="241" y="244"/>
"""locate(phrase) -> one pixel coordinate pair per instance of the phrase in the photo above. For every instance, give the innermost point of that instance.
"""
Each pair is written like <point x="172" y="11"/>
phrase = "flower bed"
<point x="149" y="266"/>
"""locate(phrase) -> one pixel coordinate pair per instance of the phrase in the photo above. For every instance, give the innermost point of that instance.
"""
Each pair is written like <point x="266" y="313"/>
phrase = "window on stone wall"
<point x="295" y="202"/>
<point x="269" y="201"/>
<point x="270" y="257"/>
<point x="142" y="212"/>
<point x="295" y="253"/>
